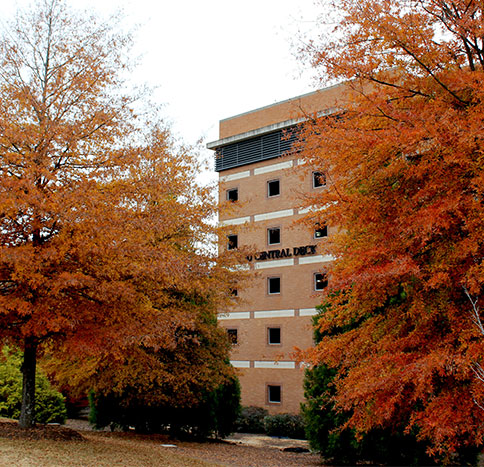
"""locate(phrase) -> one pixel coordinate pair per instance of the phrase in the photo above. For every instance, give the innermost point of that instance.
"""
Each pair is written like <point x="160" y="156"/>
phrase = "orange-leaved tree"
<point x="104" y="233"/>
<point x="404" y="161"/>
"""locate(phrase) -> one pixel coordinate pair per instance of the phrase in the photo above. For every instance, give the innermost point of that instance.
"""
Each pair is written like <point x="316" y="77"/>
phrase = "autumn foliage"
<point x="404" y="161"/>
<point x="104" y="233"/>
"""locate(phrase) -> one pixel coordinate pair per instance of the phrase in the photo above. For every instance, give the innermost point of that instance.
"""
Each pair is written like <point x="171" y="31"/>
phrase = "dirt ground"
<point x="243" y="455"/>
<point x="240" y="450"/>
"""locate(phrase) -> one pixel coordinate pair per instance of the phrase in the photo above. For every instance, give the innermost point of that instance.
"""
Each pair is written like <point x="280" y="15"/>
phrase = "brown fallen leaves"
<point x="11" y="429"/>
<point x="106" y="448"/>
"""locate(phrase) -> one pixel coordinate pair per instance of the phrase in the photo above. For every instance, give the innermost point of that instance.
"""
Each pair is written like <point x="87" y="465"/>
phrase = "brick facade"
<point x="286" y="316"/>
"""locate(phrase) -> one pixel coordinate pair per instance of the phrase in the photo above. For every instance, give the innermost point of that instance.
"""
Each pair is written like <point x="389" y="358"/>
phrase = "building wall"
<point x="260" y="363"/>
<point x="293" y="307"/>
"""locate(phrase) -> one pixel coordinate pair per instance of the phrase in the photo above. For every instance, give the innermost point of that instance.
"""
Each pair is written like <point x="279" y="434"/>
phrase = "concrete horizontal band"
<point x="278" y="263"/>
<point x="275" y="365"/>
<point x="308" y="312"/>
<point x="258" y="217"/>
<point x="240" y="363"/>
<point x="311" y="209"/>
<point x="274" y="314"/>
<point x="236" y="221"/>
<point x="235" y="176"/>
<point x="273" y="215"/>
<point x="239" y="267"/>
<point x="235" y="315"/>
<point x="273" y="167"/>
<point x="266" y="314"/>
<point x="316" y="259"/>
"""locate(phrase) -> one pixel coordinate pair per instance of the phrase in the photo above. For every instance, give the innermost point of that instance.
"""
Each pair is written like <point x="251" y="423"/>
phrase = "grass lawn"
<point x="97" y="450"/>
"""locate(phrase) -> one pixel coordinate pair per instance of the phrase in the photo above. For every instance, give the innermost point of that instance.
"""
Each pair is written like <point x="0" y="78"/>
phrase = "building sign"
<point x="284" y="253"/>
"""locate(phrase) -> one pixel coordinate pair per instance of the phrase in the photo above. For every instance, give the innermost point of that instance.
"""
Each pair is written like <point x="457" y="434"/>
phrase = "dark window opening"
<point x="274" y="394"/>
<point x="233" y="194"/>
<point x="274" y="285"/>
<point x="274" y="236"/>
<point x="321" y="232"/>
<point x="319" y="179"/>
<point x="273" y="188"/>
<point x="232" y="335"/>
<point x="234" y="293"/>
<point x="274" y="335"/>
<point x="233" y="242"/>
<point x="320" y="281"/>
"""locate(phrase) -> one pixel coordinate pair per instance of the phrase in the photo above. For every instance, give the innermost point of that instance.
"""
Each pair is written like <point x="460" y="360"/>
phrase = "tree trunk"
<point x="28" y="386"/>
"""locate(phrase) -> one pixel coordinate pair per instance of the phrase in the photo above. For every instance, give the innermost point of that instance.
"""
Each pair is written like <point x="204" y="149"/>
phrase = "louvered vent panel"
<point x="226" y="157"/>
<point x="254" y="149"/>
<point x="287" y="140"/>
<point x="270" y="145"/>
<point x="249" y="151"/>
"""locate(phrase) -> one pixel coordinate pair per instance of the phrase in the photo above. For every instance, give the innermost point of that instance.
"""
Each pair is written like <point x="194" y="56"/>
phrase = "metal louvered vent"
<point x="255" y="149"/>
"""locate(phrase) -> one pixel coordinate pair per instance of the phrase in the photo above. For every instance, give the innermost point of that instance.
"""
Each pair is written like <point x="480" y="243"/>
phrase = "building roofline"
<point x="295" y="98"/>
<point x="253" y="133"/>
<point x="265" y="130"/>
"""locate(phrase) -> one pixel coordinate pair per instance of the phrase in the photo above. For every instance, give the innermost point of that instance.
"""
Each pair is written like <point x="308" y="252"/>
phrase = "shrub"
<point x="225" y="408"/>
<point x="322" y="421"/>
<point x="285" y="424"/>
<point x="251" y="420"/>
<point x="214" y="415"/>
<point x="49" y="403"/>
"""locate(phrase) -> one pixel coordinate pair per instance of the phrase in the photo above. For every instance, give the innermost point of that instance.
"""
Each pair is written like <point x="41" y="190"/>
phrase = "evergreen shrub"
<point x="285" y="425"/>
<point x="214" y="415"/>
<point x="49" y="403"/>
<point x="251" y="420"/>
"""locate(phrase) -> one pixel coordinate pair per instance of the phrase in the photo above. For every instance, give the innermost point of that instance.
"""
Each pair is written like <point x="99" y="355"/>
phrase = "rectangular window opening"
<point x="273" y="188"/>
<point x="320" y="281"/>
<point x="274" y="236"/>
<point x="321" y="232"/>
<point x="233" y="195"/>
<point x="232" y="334"/>
<point x="233" y="242"/>
<point x="274" y="394"/>
<point x="274" y="336"/>
<point x="319" y="179"/>
<point x="274" y="285"/>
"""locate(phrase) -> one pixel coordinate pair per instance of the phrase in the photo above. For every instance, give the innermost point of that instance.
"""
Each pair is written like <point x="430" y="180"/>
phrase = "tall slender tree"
<point x="404" y="162"/>
<point x="101" y="220"/>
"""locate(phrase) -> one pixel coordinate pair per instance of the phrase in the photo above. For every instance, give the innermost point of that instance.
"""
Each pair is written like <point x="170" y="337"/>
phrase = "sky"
<point x="212" y="59"/>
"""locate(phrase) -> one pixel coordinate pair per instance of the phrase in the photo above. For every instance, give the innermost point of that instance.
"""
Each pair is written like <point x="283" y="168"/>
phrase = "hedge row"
<point x="257" y="420"/>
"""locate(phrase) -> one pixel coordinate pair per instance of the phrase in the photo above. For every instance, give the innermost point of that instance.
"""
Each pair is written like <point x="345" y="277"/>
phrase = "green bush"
<point x="251" y="420"/>
<point x="49" y="405"/>
<point x="224" y="405"/>
<point x="286" y="425"/>
<point x="322" y="421"/>
<point x="215" y="415"/>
